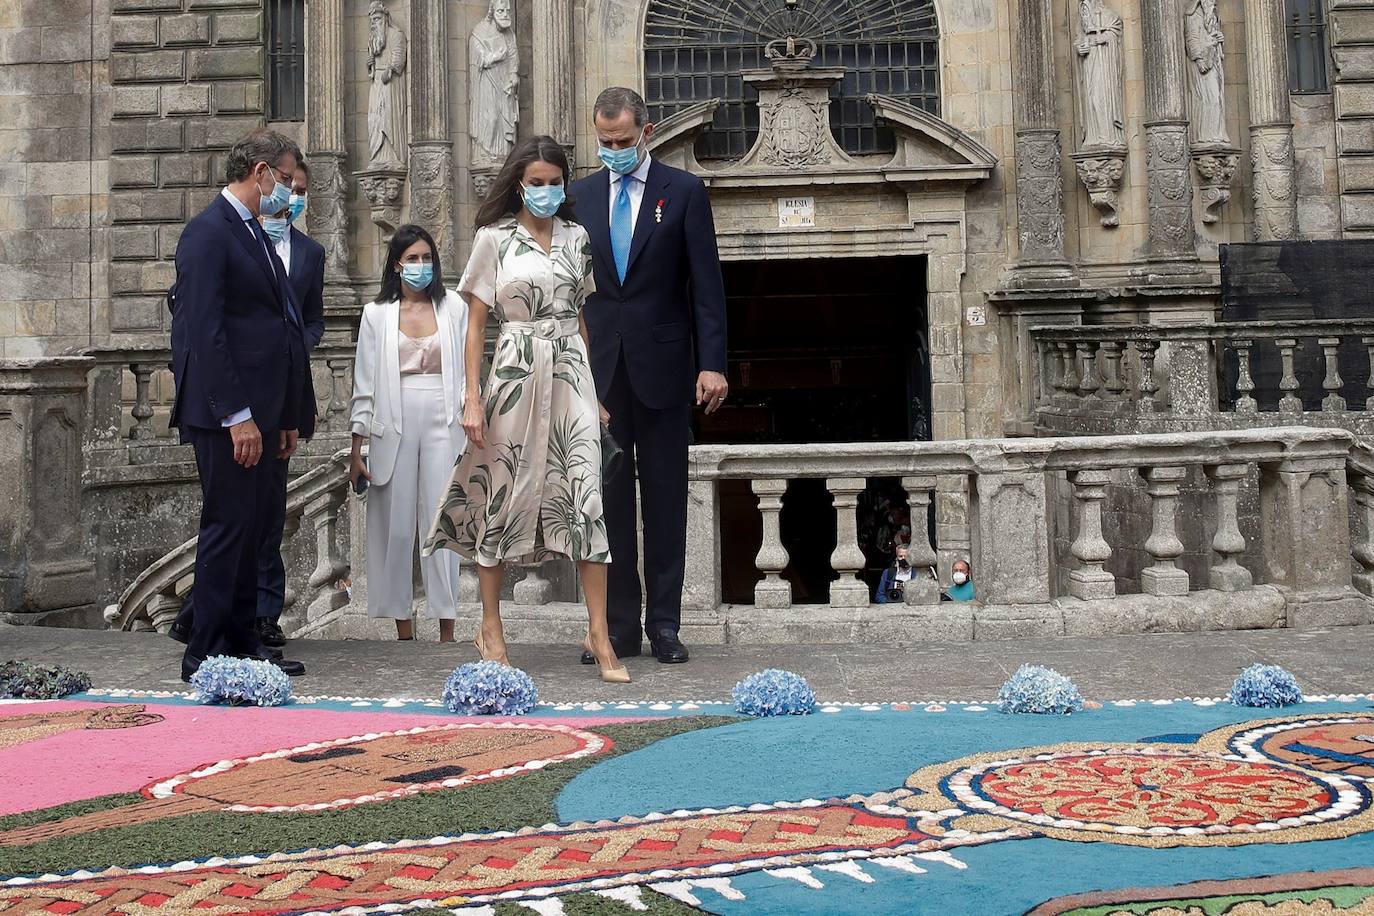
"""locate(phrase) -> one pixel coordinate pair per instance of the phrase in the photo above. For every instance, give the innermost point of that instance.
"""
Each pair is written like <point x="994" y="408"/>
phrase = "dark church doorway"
<point x="821" y="350"/>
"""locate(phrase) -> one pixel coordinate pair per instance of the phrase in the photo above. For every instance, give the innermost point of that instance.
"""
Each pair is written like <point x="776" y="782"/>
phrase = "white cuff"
<point x="237" y="418"/>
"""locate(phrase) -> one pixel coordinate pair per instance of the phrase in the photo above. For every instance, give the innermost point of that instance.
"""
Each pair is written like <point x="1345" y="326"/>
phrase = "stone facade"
<point x="118" y="114"/>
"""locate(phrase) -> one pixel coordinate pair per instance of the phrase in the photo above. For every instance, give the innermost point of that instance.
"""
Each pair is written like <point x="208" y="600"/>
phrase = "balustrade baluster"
<point x="920" y="589"/>
<point x="1289" y="383"/>
<point x="1245" y="381"/>
<point x="1090" y="382"/>
<point x="1369" y="345"/>
<point x="1333" y="402"/>
<point x="1091" y="579"/>
<point x="772" y="558"/>
<point x="1069" y="382"/>
<point x="1362" y="489"/>
<point x="143" y="401"/>
<point x="1227" y="575"/>
<point x="1163" y="545"/>
<point x="339" y="393"/>
<point x="534" y="589"/>
<point x="1147" y="387"/>
<point x="1113" y="384"/>
<point x="849" y="591"/>
<point x="323" y="514"/>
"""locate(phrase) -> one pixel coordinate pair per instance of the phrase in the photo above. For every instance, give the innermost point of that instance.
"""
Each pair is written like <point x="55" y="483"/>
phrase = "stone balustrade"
<point x="1164" y="378"/>
<point x="1067" y="536"/>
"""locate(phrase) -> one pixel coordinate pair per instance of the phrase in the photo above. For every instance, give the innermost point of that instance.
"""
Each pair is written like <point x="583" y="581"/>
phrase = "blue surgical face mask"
<point x="295" y="207"/>
<point x="275" y="227"/>
<point x="544" y="200"/>
<point x="417" y="276"/>
<point x="270" y="204"/>
<point x="621" y="161"/>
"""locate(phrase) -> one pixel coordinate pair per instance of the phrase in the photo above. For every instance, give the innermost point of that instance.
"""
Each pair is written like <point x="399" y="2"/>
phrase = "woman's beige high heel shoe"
<point x="482" y="653"/>
<point x="619" y="675"/>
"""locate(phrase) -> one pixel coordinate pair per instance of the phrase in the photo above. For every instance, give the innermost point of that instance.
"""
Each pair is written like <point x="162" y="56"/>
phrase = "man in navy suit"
<point x="303" y="259"/>
<point x="657" y="328"/>
<point x="243" y="387"/>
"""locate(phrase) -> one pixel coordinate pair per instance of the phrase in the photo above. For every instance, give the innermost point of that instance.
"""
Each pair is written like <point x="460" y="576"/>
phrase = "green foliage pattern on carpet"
<point x="1341" y="898"/>
<point x="504" y="804"/>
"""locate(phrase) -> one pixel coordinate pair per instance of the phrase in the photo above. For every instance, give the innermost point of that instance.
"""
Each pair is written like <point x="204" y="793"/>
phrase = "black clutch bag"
<point x="611" y="455"/>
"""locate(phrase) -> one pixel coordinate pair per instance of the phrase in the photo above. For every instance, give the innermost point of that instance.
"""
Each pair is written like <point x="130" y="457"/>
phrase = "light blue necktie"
<point x="622" y="227"/>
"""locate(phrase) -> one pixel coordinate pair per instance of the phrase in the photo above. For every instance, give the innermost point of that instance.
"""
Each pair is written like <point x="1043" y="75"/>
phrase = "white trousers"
<point x="403" y="509"/>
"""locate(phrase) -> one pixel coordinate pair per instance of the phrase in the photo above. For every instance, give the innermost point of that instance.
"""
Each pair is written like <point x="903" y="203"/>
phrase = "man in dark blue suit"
<point x="303" y="259"/>
<point x="657" y="328"/>
<point x="243" y="386"/>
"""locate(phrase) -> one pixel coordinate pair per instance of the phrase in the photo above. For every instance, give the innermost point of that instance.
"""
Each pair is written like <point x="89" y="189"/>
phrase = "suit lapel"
<point x="655" y="189"/>
<point x="596" y="216"/>
<point x="250" y="243"/>
<point x="297" y="264"/>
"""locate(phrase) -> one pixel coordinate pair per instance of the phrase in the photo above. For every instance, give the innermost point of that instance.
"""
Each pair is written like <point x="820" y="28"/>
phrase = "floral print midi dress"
<point x="533" y="492"/>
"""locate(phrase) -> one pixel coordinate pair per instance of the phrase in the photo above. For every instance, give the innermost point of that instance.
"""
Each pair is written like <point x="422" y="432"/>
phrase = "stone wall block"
<point x="65" y="43"/>
<point x="136" y="101"/>
<point x="151" y="135"/>
<point x="126" y="277"/>
<point x="132" y="242"/>
<point x="147" y="206"/>
<point x="186" y="170"/>
<point x="184" y="100"/>
<point x="223" y="4"/>
<point x="133" y="171"/>
<point x="238" y="97"/>
<point x="1357" y="211"/>
<point x="1354" y="101"/>
<point x="129" y="313"/>
<point x="1351" y="26"/>
<point x="218" y="133"/>
<point x="188" y="29"/>
<point x="133" y="31"/>
<point x="147" y="66"/>
<point x="225" y="63"/>
<point x="1354" y="63"/>
<point x="1357" y="175"/>
<point x="167" y="238"/>
<point x="133" y="6"/>
<point x="234" y="27"/>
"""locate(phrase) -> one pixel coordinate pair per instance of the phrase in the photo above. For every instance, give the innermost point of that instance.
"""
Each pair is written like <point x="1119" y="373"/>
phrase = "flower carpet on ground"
<point x="143" y="804"/>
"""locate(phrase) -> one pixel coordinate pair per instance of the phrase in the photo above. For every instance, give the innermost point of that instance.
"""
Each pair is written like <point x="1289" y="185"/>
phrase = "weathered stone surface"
<point x="224" y="63"/>
<point x="185" y="30"/>
<point x="236" y="27"/>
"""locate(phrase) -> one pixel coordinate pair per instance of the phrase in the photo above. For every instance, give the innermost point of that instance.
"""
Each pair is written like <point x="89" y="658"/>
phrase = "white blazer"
<point x="376" y="411"/>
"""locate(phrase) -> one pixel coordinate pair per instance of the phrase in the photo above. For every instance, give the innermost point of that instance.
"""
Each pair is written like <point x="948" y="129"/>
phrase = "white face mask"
<point x="960" y="578"/>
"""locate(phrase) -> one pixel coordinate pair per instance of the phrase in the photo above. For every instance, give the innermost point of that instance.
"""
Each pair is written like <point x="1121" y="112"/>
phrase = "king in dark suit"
<point x="243" y="389"/>
<point x="657" y="328"/>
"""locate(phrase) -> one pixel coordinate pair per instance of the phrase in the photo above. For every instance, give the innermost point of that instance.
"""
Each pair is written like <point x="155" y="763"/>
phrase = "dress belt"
<point x="544" y="328"/>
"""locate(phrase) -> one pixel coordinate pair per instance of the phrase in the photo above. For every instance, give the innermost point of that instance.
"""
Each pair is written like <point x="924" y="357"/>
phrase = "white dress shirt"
<point x="635" y="190"/>
<point x="284" y="251"/>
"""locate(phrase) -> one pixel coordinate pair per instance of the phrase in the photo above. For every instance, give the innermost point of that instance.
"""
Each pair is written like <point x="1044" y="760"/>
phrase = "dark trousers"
<point x="655" y="444"/>
<point x="235" y="508"/>
<point x="271" y="569"/>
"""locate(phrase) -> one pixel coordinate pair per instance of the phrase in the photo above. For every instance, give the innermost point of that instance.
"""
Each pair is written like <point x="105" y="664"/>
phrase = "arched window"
<point x="694" y="50"/>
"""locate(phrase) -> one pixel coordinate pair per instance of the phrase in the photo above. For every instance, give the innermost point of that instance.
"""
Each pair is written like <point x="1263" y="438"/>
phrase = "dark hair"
<point x="611" y="102"/>
<point x="504" y="197"/>
<point x="406" y="236"/>
<point x="260" y="145"/>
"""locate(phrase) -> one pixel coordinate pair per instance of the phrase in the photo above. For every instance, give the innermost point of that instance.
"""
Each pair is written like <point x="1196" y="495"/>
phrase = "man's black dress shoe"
<point x="179" y="633"/>
<point x="189" y="666"/>
<point x="270" y="632"/>
<point x="288" y="666"/>
<point x="621" y="651"/>
<point x="668" y="648"/>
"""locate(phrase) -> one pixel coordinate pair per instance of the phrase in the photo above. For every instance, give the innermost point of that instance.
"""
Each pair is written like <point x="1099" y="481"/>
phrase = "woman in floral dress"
<point x="528" y="487"/>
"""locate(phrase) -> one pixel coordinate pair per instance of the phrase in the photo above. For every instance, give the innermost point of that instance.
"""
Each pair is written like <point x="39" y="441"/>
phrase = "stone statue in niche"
<point x="386" y="99"/>
<point x="1204" y="43"/>
<point x="493" y="78"/>
<point x="1102" y="115"/>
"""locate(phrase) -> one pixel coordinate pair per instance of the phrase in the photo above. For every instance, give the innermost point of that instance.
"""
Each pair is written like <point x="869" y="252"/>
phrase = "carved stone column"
<point x="555" y="111"/>
<point x="431" y="152"/>
<point x="1039" y="180"/>
<point x="327" y="214"/>
<point x="46" y="574"/>
<point x="1271" y="126"/>
<point x="1168" y="183"/>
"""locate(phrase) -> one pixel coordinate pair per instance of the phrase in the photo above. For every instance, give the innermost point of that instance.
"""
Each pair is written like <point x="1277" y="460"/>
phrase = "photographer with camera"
<point x="891" y="587"/>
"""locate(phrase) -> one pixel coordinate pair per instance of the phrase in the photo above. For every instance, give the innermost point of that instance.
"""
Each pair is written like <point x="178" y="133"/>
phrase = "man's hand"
<point x="247" y="442"/>
<point x="290" y="439"/>
<point x="603" y="414"/>
<point x="711" y="390"/>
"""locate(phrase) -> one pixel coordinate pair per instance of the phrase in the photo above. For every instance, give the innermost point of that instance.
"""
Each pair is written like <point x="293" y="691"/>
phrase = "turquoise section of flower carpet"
<point x="828" y="755"/>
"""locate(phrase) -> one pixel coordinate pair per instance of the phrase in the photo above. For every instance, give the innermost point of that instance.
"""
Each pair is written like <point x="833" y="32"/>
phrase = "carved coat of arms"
<point x="795" y="130"/>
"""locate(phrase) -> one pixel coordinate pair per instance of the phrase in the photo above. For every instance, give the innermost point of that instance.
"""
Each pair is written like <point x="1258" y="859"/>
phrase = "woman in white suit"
<point x="408" y="386"/>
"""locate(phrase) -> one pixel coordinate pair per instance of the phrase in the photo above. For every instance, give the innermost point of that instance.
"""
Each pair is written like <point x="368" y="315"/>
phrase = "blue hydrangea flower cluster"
<point x="1265" y="686"/>
<point x="774" y="693"/>
<point x="488" y="688"/>
<point x="241" y="682"/>
<point x="1040" y="690"/>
